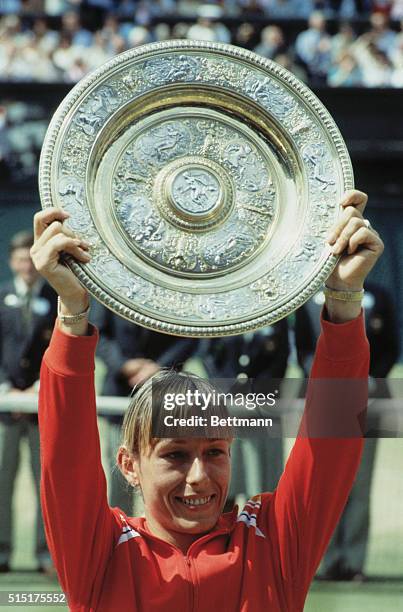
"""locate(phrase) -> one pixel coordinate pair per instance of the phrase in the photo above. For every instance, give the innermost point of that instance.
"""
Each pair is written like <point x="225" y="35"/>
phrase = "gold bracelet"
<point x="345" y="296"/>
<point x="70" y="319"/>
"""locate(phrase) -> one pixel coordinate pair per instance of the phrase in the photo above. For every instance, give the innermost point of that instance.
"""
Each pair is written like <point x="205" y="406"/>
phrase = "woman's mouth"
<point x="196" y="502"/>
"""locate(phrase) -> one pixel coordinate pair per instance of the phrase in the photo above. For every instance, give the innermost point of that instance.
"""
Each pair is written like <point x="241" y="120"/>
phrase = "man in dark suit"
<point x="28" y="310"/>
<point x="254" y="362"/>
<point x="346" y="554"/>
<point x="131" y="355"/>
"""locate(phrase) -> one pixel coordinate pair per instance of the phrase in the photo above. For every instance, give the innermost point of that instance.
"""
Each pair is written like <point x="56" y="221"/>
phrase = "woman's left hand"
<point x="358" y="244"/>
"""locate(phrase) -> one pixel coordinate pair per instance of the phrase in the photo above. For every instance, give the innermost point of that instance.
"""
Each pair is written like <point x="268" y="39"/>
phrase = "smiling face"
<point x="184" y="480"/>
<point x="184" y="483"/>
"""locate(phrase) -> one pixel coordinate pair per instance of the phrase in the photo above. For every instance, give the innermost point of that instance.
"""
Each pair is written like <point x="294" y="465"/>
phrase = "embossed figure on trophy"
<point x="72" y="190"/>
<point x="258" y="90"/>
<point x="96" y="110"/>
<point x="314" y="154"/>
<point x="243" y="159"/>
<point x="302" y="125"/>
<point x="196" y="190"/>
<point x="112" y="269"/>
<point x="179" y="253"/>
<point x="107" y="98"/>
<point x="269" y="95"/>
<point x="163" y="142"/>
<point x="308" y="252"/>
<point x="235" y="155"/>
<point x="209" y="145"/>
<point x="214" y="307"/>
<point x="150" y="230"/>
<point x="171" y="69"/>
<point x="133" y="209"/>
<point x="88" y="123"/>
<point x="267" y="288"/>
<point x="233" y="248"/>
<point x="132" y="175"/>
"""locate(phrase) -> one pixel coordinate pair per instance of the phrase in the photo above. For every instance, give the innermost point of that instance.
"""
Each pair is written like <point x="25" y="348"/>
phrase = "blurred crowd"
<point x="63" y="40"/>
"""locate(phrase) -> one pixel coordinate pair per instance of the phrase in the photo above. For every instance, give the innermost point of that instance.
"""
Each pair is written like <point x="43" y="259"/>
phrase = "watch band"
<point x="71" y="319"/>
<point x="345" y="296"/>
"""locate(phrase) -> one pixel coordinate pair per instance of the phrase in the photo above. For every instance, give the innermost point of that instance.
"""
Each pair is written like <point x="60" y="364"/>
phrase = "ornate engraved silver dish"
<point x="205" y="179"/>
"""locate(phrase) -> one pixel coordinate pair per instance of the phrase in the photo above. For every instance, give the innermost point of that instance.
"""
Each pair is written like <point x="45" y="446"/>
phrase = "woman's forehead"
<point x="189" y="442"/>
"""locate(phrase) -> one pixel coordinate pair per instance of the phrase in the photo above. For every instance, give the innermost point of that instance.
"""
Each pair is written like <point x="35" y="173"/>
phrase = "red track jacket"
<point x="261" y="561"/>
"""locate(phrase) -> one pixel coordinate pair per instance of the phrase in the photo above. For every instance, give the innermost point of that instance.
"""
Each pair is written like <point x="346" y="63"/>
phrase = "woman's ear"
<point x="129" y="466"/>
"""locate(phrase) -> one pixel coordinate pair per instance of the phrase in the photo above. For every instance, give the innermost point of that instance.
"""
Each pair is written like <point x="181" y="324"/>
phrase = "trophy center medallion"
<point x="195" y="191"/>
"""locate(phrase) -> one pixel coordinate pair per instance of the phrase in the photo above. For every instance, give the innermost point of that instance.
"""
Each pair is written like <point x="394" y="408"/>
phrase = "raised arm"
<point x="79" y="524"/>
<point x="320" y="471"/>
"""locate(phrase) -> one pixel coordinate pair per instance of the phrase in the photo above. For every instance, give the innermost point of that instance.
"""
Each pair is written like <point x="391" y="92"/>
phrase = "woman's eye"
<point x="175" y="455"/>
<point x="215" y="452"/>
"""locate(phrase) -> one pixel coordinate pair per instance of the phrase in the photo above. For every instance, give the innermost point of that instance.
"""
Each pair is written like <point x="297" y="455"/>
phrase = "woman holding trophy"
<point x="184" y="554"/>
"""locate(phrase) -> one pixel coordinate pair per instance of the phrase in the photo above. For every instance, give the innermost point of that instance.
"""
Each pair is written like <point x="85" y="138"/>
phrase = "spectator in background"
<point x="71" y="26"/>
<point x="381" y="6"/>
<point x="93" y="12"/>
<point x="77" y="71"/>
<point x="27" y="316"/>
<point x="138" y="35"/>
<point x="396" y="12"/>
<point x="222" y="32"/>
<point x="114" y="35"/>
<point x="111" y="26"/>
<point x="203" y="29"/>
<point x="167" y="7"/>
<point x="66" y="55"/>
<point x="45" y="39"/>
<point x="346" y="9"/>
<point x="252" y="7"/>
<point x="342" y="41"/>
<point x="125" y="9"/>
<point x="31" y="7"/>
<point x="11" y="31"/>
<point x="10" y="6"/>
<point x="162" y="31"/>
<point x="180" y="30"/>
<point x="99" y="52"/>
<point x="287" y="9"/>
<point x="5" y="149"/>
<point x="397" y="60"/>
<point x="380" y="34"/>
<point x="31" y="63"/>
<point x="345" y="72"/>
<point x="58" y="7"/>
<point x="376" y="69"/>
<point x="271" y="42"/>
<point x="131" y="354"/>
<point x="245" y="36"/>
<point x="313" y="47"/>
<point x="286" y="60"/>
<point x="144" y="13"/>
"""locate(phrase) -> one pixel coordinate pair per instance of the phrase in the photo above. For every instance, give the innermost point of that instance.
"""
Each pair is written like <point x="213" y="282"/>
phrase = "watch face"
<point x="205" y="179"/>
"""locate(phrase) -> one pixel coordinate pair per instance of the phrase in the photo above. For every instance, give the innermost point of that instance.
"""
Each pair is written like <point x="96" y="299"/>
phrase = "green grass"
<point x="346" y="597"/>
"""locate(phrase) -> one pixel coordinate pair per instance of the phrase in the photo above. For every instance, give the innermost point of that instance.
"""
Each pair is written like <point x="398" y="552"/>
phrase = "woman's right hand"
<point x="52" y="238"/>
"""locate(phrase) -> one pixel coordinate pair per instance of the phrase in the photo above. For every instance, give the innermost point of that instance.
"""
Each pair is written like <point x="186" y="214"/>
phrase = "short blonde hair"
<point x="137" y="429"/>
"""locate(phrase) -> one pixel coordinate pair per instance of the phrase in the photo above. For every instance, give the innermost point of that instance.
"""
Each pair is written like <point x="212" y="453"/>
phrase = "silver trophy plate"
<point x="205" y="179"/>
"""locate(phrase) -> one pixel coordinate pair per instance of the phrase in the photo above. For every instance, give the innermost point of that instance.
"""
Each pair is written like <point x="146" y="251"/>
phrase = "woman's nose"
<point x="197" y="472"/>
